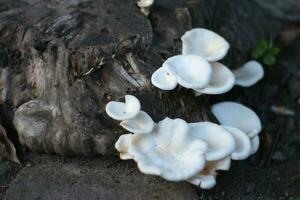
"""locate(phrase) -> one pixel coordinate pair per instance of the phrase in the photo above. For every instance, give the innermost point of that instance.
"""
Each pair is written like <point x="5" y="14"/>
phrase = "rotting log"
<point x="62" y="61"/>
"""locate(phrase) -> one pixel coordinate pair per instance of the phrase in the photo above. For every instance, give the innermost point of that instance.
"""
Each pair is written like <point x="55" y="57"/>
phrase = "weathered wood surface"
<point x="63" y="60"/>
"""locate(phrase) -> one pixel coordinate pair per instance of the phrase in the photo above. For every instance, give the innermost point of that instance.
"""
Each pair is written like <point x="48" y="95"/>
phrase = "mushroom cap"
<point x="237" y="115"/>
<point x="204" y="43"/>
<point x="220" y="142"/>
<point x="122" y="145"/>
<point x="191" y="71"/>
<point x="203" y="181"/>
<point x="169" y="151"/>
<point x="242" y="143"/>
<point x="123" y="111"/>
<point x="142" y="123"/>
<point x="249" y="74"/>
<point x="222" y="80"/>
<point x="164" y="79"/>
<point x="254" y="144"/>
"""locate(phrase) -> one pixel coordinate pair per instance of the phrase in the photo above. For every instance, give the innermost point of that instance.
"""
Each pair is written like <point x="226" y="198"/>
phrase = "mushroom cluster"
<point x="194" y="152"/>
<point x="179" y="151"/>
<point x="198" y="67"/>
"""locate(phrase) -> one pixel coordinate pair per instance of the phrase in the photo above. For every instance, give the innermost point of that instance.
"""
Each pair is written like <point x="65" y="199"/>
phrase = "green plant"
<point x="266" y="52"/>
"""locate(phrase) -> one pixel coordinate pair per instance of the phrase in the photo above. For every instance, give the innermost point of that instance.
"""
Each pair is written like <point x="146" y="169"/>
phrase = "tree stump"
<point x="63" y="60"/>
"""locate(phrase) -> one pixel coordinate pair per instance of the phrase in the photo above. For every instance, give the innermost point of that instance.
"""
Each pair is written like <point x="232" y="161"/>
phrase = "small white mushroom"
<point x="203" y="181"/>
<point x="249" y="74"/>
<point x="206" y="179"/>
<point x="168" y="151"/>
<point x="123" y="145"/>
<point x="220" y="142"/>
<point x="164" y="79"/>
<point x="221" y="81"/>
<point x="242" y="143"/>
<point x="145" y="6"/>
<point x="204" y="43"/>
<point x="237" y="115"/>
<point x="191" y="71"/>
<point x="254" y="144"/>
<point x="124" y="111"/>
<point x="142" y="123"/>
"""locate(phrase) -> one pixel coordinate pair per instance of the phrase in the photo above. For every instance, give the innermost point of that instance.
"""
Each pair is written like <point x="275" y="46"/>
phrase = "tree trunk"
<point x="63" y="60"/>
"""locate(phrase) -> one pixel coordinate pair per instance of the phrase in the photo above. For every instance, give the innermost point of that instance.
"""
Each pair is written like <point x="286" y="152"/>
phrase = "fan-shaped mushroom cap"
<point x="242" y="143"/>
<point x="254" y="144"/>
<point x="220" y="142"/>
<point x="238" y="116"/>
<point x="191" y="71"/>
<point x="124" y="111"/>
<point x="122" y="145"/>
<point x="249" y="74"/>
<point x="141" y="124"/>
<point x="164" y="79"/>
<point x="221" y="81"/>
<point x="168" y="151"/>
<point x="204" y="43"/>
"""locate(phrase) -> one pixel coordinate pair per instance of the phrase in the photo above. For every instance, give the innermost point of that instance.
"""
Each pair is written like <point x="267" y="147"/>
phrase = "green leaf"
<point x="269" y="59"/>
<point x="275" y="51"/>
<point x="260" y="50"/>
<point x="270" y="45"/>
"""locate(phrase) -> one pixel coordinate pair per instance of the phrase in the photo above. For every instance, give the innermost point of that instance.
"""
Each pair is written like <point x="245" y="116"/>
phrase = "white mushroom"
<point x="124" y="111"/>
<point x="122" y="145"/>
<point x="168" y="151"/>
<point x="203" y="181"/>
<point x="238" y="116"/>
<point x="145" y="6"/>
<point x="191" y="71"/>
<point x="220" y="142"/>
<point x="142" y="123"/>
<point x="204" y="43"/>
<point x="206" y="179"/>
<point x="242" y="143"/>
<point x="221" y="81"/>
<point x="254" y="144"/>
<point x="164" y="79"/>
<point x="249" y="74"/>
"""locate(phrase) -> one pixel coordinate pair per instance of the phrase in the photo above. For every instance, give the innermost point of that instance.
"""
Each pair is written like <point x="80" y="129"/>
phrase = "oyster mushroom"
<point x="191" y="71"/>
<point x="206" y="179"/>
<point x="124" y="111"/>
<point x="204" y="43"/>
<point x="249" y="74"/>
<point x="237" y="115"/>
<point x="167" y="151"/>
<point x="164" y="78"/>
<point x="221" y="81"/>
<point x="242" y="143"/>
<point x="220" y="142"/>
<point x="203" y="181"/>
<point x="142" y="123"/>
